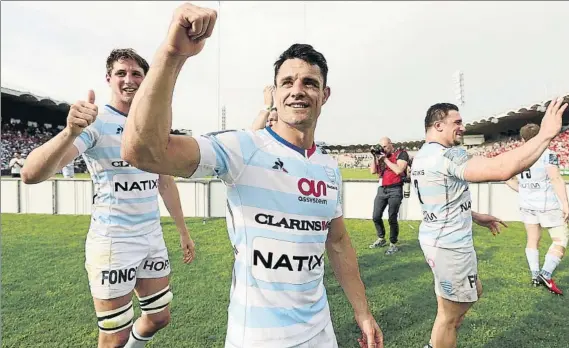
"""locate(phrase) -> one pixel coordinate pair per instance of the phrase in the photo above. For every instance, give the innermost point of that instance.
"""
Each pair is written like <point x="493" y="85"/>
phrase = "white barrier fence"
<point x="207" y="198"/>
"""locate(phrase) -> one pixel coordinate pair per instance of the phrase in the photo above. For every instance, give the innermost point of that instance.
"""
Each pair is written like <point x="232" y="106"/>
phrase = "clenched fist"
<point x="190" y="27"/>
<point x="82" y="114"/>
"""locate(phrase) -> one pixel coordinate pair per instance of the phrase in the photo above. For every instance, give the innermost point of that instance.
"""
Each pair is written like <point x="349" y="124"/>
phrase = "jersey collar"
<point x="436" y="142"/>
<point x="303" y="152"/>
<point x="116" y="111"/>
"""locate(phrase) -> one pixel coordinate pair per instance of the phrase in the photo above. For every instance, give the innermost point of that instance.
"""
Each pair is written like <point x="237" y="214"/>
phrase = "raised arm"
<point x="147" y="143"/>
<point x="261" y="120"/>
<point x="46" y="160"/>
<point x="510" y="163"/>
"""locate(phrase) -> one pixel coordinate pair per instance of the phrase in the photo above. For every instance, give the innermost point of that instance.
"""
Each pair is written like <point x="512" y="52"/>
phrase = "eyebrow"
<point x="304" y="79"/>
<point x="124" y="71"/>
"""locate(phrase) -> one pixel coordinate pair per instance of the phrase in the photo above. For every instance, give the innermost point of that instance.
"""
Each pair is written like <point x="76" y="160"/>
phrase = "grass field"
<point x="46" y="302"/>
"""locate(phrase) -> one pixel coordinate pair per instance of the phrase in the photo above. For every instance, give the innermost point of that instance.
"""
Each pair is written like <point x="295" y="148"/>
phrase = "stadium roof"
<point x="513" y="119"/>
<point x="33" y="98"/>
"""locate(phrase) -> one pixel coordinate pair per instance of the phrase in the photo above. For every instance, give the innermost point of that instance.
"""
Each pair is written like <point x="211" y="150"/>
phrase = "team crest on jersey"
<point x="331" y="174"/>
<point x="553" y="159"/>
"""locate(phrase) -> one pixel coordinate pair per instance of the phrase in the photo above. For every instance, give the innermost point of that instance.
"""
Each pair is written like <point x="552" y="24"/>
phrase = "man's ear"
<point x="438" y="126"/>
<point x="326" y="94"/>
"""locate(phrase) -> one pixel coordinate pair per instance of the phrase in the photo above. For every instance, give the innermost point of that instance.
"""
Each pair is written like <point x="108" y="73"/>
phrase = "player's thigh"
<point x="154" y="296"/>
<point x="560" y="238"/>
<point x="114" y="317"/>
<point x="152" y="285"/>
<point x="156" y="264"/>
<point x="452" y="311"/>
<point x="529" y="217"/>
<point x="533" y="232"/>
<point x="551" y="218"/>
<point x="112" y="264"/>
<point x="455" y="273"/>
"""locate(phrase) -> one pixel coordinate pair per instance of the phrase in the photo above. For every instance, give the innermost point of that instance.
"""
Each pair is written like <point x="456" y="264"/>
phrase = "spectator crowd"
<point x="23" y="139"/>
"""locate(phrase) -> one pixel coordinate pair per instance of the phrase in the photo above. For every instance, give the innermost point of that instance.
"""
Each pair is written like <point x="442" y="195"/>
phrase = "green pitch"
<point x="46" y="302"/>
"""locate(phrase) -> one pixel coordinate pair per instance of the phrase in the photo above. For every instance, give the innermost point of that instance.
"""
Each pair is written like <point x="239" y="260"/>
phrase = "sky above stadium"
<point x="388" y="61"/>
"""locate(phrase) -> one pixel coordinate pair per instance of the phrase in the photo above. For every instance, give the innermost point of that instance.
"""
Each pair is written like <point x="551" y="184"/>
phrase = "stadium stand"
<point x="29" y="120"/>
<point x="497" y="134"/>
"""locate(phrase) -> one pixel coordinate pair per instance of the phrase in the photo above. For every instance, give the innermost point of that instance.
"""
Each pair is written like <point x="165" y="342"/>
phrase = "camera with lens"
<point x="377" y="150"/>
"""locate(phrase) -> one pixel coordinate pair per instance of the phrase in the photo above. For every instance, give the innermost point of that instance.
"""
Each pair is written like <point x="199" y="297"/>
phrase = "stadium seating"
<point x="23" y="139"/>
<point x="560" y="145"/>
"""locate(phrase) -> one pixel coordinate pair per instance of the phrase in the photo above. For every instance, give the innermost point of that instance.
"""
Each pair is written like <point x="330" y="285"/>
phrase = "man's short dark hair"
<point x="438" y="112"/>
<point x="126" y="53"/>
<point x="308" y="54"/>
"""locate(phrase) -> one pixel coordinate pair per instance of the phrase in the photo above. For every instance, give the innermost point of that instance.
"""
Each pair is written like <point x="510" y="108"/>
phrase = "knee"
<point x="160" y="320"/>
<point x="393" y="218"/>
<point x="560" y="237"/>
<point x="115" y="340"/>
<point x="155" y="308"/>
<point x="449" y="320"/>
<point x="458" y="323"/>
<point x="114" y="325"/>
<point x="377" y="216"/>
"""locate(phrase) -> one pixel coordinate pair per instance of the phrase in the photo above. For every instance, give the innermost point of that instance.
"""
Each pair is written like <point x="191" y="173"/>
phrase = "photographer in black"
<point x="391" y="167"/>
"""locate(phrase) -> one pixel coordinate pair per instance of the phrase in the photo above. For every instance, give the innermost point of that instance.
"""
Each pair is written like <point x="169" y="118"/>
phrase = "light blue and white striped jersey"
<point x="69" y="170"/>
<point x="280" y="202"/>
<point x="437" y="174"/>
<point x="536" y="191"/>
<point x="125" y="201"/>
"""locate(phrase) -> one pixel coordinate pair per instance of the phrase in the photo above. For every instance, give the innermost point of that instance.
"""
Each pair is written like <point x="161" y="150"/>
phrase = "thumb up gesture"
<point x="82" y="114"/>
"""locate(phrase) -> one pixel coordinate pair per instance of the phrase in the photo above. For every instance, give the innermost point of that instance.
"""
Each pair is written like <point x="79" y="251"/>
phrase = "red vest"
<point x="388" y="175"/>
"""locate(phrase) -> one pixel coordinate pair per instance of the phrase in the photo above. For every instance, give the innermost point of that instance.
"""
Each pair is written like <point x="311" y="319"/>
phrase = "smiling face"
<point x="124" y="79"/>
<point x="300" y="93"/>
<point x="443" y="124"/>
<point x="450" y="129"/>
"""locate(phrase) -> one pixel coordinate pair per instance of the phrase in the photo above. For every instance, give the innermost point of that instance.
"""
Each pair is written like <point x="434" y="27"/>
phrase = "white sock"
<point x="533" y="261"/>
<point x="135" y="340"/>
<point x="551" y="262"/>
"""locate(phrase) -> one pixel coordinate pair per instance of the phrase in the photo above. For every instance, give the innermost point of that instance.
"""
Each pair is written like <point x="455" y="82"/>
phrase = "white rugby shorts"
<point x="113" y="264"/>
<point x="455" y="273"/>
<point x="324" y="339"/>
<point x="546" y="218"/>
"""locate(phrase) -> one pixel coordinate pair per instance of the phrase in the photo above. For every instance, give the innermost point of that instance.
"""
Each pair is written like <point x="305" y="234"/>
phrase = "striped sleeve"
<point x="455" y="162"/>
<point x="89" y="137"/>
<point x="223" y="154"/>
